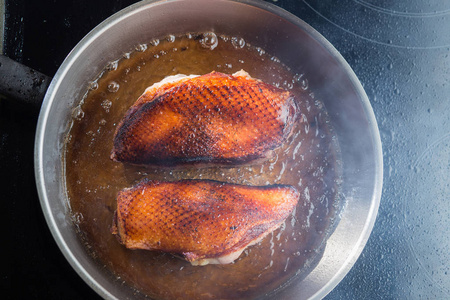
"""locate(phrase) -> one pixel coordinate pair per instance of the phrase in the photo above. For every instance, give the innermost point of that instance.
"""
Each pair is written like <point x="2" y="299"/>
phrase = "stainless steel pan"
<point x="296" y="44"/>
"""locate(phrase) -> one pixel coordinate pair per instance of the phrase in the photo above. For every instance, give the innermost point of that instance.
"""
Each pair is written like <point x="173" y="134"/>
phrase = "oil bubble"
<point x="154" y="42"/>
<point x="237" y="42"/>
<point x="78" y="113"/>
<point x="141" y="47"/>
<point x="170" y="38"/>
<point x="93" y="85"/>
<point x="275" y="59"/>
<point x="260" y="51"/>
<point x="304" y="84"/>
<point x="288" y="85"/>
<point x="113" y="87"/>
<point x="224" y="38"/>
<point x="106" y="104"/>
<point x="112" y="65"/>
<point x="298" y="77"/>
<point x="209" y="40"/>
<point x="78" y="218"/>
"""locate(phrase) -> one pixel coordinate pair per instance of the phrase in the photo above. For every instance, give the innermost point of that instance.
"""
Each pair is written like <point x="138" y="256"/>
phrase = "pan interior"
<point x="295" y="44"/>
<point x="309" y="161"/>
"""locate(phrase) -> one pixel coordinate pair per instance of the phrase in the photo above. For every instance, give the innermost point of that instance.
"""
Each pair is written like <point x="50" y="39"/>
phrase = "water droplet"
<point x="237" y="42"/>
<point x="113" y="87"/>
<point x="209" y="40"/>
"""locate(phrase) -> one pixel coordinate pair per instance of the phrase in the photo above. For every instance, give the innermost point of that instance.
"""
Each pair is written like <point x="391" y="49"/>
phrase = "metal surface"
<point x="262" y="24"/>
<point x="20" y="83"/>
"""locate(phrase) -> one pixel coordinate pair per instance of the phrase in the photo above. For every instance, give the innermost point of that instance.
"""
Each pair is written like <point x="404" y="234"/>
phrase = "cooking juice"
<point x="309" y="160"/>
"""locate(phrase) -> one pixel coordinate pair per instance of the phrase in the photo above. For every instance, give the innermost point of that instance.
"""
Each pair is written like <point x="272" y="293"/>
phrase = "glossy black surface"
<point x="400" y="52"/>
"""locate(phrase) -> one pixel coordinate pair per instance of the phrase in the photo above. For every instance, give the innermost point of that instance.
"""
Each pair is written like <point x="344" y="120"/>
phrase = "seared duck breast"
<point x="203" y="221"/>
<point x="213" y="118"/>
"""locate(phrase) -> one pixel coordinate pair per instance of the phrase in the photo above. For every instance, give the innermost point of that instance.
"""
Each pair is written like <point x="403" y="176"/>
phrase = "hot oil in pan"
<point x="309" y="160"/>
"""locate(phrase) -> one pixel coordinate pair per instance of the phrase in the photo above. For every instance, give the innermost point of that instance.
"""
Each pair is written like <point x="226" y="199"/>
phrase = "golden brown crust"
<point x="214" y="118"/>
<point x="199" y="219"/>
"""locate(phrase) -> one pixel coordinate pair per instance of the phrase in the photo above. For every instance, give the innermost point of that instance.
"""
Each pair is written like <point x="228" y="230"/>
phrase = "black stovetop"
<point x="400" y="52"/>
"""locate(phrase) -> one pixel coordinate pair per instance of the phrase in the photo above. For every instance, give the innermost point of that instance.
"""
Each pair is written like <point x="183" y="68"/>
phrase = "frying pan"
<point x="278" y="32"/>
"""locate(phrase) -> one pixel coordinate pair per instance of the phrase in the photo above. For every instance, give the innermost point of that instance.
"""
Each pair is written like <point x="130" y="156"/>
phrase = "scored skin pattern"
<point x="213" y="118"/>
<point x="199" y="219"/>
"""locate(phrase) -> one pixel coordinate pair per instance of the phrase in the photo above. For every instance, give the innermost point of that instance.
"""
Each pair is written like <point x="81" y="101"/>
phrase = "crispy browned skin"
<point x="199" y="219"/>
<point x="214" y="118"/>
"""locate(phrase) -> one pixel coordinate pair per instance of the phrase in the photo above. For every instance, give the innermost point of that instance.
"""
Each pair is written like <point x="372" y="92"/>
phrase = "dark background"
<point x="400" y="52"/>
